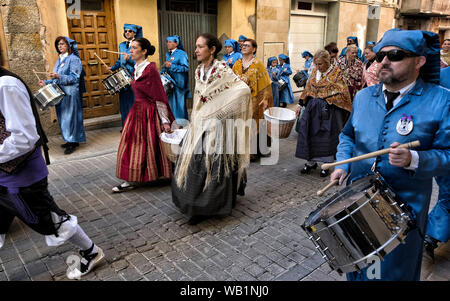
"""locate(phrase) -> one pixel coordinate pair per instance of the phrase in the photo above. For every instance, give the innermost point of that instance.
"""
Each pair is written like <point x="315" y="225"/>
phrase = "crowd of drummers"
<point x="353" y="103"/>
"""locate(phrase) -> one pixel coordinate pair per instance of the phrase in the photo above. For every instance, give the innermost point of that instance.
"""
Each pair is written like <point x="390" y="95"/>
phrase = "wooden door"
<point x="95" y="32"/>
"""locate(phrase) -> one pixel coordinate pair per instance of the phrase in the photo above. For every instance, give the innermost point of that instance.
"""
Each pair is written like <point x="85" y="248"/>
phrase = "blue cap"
<point x="355" y="39"/>
<point x="306" y="53"/>
<point x="232" y="43"/>
<point x="423" y="43"/>
<point x="285" y="58"/>
<point x="242" y="38"/>
<point x="368" y="43"/>
<point x="176" y="39"/>
<point x="270" y="60"/>
<point x="135" y="28"/>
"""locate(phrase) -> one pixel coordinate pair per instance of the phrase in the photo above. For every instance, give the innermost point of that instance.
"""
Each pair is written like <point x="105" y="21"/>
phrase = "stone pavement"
<point x="146" y="238"/>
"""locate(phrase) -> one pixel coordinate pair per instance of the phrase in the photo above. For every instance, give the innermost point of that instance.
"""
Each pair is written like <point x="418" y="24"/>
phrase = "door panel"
<point x="94" y="32"/>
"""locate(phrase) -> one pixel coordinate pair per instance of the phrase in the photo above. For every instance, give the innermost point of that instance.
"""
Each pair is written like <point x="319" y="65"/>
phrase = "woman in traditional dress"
<point x="68" y="74"/>
<point x="210" y="170"/>
<point x="328" y="105"/>
<point x="352" y="69"/>
<point x="233" y="52"/>
<point x="274" y="72"/>
<point x="252" y="71"/>
<point x="286" y="95"/>
<point x="370" y="68"/>
<point x="140" y="157"/>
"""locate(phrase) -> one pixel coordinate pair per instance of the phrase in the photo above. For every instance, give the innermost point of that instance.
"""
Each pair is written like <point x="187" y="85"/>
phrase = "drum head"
<point x="340" y="201"/>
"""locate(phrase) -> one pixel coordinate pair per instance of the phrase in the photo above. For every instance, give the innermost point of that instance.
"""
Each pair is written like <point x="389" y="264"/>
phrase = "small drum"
<point x="49" y="95"/>
<point x="168" y="82"/>
<point x="362" y="220"/>
<point x="117" y="81"/>
<point x="171" y="143"/>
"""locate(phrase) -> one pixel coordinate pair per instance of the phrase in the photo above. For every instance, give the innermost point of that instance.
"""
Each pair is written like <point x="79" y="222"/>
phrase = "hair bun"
<point x="152" y="50"/>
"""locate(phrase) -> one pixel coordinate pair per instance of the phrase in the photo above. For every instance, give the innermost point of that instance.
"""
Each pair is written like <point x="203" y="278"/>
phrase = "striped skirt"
<point x="140" y="157"/>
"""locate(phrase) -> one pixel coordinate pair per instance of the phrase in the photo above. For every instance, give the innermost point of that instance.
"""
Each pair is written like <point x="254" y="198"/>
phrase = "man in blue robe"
<point x="438" y="228"/>
<point x="233" y="52"/>
<point x="126" y="96"/>
<point x="177" y="66"/>
<point x="409" y="69"/>
<point x="286" y="95"/>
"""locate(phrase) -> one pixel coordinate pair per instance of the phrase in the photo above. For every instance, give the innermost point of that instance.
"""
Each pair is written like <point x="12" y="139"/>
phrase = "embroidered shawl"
<point x="331" y="87"/>
<point x="222" y="101"/>
<point x="351" y="72"/>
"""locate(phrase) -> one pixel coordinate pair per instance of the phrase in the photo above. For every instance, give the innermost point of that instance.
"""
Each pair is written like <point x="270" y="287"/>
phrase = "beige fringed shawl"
<point x="221" y="116"/>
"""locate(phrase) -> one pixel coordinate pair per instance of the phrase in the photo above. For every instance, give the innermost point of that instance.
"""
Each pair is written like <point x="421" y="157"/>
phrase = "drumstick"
<point x="331" y="184"/>
<point x="101" y="60"/>
<point x="113" y="51"/>
<point x="39" y="79"/>
<point x="371" y="155"/>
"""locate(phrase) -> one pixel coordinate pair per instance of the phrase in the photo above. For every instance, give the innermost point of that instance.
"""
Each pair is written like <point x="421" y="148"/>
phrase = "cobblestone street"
<point x="146" y="238"/>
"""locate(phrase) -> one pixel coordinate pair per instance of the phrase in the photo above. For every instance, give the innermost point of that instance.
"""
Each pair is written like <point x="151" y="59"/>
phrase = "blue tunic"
<point x="308" y="63"/>
<point x="439" y="218"/>
<point x="234" y="57"/>
<point x="371" y="128"/>
<point x="286" y="94"/>
<point x="179" y="73"/>
<point x="69" y="110"/>
<point x="126" y="95"/>
<point x="274" y="80"/>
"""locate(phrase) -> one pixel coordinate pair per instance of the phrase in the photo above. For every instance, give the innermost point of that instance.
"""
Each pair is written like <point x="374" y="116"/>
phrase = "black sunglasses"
<point x="127" y="30"/>
<point x="395" y="55"/>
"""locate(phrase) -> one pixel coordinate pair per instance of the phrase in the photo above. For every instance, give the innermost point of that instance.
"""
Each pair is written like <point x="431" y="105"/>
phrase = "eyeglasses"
<point x="127" y="30"/>
<point x="246" y="45"/>
<point x="395" y="55"/>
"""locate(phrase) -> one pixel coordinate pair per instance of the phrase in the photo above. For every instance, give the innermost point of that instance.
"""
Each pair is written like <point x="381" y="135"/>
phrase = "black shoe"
<point x="71" y="148"/>
<point x="308" y="168"/>
<point x="196" y="219"/>
<point x="283" y="105"/>
<point x="324" y="173"/>
<point x="430" y="244"/>
<point x="88" y="263"/>
<point x="65" y="145"/>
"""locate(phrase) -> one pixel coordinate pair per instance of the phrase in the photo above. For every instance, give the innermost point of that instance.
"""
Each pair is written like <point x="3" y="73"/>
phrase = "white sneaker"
<point x="125" y="186"/>
<point x="87" y="264"/>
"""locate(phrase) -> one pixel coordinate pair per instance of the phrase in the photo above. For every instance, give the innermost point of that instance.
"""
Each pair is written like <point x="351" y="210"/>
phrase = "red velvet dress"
<point x="140" y="157"/>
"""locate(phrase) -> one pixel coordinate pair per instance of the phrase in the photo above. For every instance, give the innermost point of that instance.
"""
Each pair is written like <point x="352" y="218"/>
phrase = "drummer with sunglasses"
<point x="407" y="105"/>
<point x="130" y="33"/>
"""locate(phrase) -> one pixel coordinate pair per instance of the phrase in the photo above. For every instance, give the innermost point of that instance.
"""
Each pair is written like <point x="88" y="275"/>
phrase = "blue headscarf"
<point x="354" y="39"/>
<point x="307" y="53"/>
<point x="135" y="28"/>
<point x="285" y="58"/>
<point x="242" y="38"/>
<point x="423" y="43"/>
<point x="370" y="43"/>
<point x="270" y="60"/>
<point x="234" y="44"/>
<point x="177" y="40"/>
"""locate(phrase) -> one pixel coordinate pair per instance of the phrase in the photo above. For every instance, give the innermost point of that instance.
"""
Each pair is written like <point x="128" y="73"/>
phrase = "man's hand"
<point x="126" y="56"/>
<point x="338" y="174"/>
<point x="53" y="75"/>
<point x="168" y="65"/>
<point x="41" y="83"/>
<point x="400" y="157"/>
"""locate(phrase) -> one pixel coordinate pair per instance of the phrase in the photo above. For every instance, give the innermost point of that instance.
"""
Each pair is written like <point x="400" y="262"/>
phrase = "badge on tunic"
<point x="405" y="125"/>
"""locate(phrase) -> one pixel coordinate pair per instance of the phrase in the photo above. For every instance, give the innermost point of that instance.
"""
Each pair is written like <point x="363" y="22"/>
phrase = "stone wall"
<point x="24" y="43"/>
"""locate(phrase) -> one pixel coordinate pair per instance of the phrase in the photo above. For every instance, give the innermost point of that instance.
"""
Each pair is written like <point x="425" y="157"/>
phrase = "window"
<point x="304" y="5"/>
<point x="92" y="5"/>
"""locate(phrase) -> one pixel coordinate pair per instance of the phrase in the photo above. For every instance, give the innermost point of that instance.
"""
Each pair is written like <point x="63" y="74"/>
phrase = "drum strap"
<point x="43" y="137"/>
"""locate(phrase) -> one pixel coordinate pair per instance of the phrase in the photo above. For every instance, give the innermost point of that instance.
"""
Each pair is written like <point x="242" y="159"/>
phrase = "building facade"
<point x="28" y="29"/>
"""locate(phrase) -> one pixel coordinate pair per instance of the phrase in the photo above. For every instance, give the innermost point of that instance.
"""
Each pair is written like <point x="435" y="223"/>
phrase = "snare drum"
<point x="117" y="81"/>
<point x="362" y="220"/>
<point x="49" y="95"/>
<point x="168" y="82"/>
